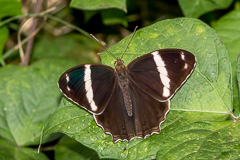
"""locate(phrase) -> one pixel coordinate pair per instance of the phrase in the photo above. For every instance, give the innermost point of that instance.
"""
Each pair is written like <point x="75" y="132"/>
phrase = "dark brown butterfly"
<point x="129" y="101"/>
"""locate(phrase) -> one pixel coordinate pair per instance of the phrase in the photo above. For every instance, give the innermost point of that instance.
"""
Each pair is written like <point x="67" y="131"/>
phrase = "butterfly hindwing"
<point x="90" y="86"/>
<point x="148" y="113"/>
<point x="115" y="120"/>
<point x="161" y="72"/>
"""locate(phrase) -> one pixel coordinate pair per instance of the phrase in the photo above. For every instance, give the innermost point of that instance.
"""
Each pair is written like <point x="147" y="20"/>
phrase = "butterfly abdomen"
<point x="124" y="85"/>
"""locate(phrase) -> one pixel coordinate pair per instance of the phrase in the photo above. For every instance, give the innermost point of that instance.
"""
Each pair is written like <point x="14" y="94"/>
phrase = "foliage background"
<point x="40" y="39"/>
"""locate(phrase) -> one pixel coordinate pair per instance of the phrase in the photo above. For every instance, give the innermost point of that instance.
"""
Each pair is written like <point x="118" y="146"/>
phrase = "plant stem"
<point x="31" y="40"/>
<point x="50" y="17"/>
<point x="12" y="50"/>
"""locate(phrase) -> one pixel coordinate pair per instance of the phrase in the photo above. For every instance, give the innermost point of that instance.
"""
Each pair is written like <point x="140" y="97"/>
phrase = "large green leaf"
<point x="228" y="29"/>
<point x="99" y="4"/>
<point x="9" y="151"/>
<point x="28" y="95"/>
<point x="203" y="103"/>
<point x="197" y="8"/>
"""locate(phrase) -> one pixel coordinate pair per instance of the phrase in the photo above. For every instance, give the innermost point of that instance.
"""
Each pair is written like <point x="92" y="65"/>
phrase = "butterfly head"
<point x="119" y="65"/>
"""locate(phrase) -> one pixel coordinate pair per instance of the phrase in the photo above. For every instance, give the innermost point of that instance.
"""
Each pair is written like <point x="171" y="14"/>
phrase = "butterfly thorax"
<point x="123" y="82"/>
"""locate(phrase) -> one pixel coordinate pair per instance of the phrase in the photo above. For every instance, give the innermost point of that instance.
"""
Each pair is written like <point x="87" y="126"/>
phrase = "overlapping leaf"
<point x="11" y="8"/>
<point x="113" y="17"/>
<point x="99" y="4"/>
<point x="197" y="8"/>
<point x="68" y="148"/>
<point x="9" y="151"/>
<point x="3" y="39"/>
<point x="228" y="29"/>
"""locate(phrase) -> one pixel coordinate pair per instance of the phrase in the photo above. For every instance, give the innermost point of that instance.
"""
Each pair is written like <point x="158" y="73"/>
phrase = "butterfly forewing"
<point x="161" y="72"/>
<point x="90" y="86"/>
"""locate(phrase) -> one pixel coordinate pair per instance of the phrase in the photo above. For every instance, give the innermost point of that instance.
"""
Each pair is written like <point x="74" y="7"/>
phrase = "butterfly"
<point x="129" y="101"/>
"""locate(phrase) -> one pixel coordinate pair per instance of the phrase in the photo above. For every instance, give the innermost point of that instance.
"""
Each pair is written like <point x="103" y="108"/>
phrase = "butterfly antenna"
<point x="129" y="41"/>
<point x="103" y="45"/>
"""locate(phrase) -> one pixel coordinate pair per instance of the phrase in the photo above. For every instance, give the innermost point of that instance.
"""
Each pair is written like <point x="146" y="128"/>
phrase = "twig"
<point x="31" y="40"/>
<point x="235" y="117"/>
<point x="42" y="14"/>
<point x="50" y="17"/>
<point x="20" y="42"/>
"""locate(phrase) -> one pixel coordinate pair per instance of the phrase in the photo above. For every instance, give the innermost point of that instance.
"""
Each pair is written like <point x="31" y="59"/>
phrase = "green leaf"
<point x="74" y="46"/>
<point x="228" y="29"/>
<point x="197" y="8"/>
<point x="28" y="95"/>
<point x="204" y="99"/>
<point x="88" y="14"/>
<point x="99" y="4"/>
<point x="238" y="73"/>
<point x="199" y="139"/>
<point x="10" y="8"/>
<point x="3" y="39"/>
<point x="68" y="148"/>
<point x="113" y="17"/>
<point x="8" y="151"/>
